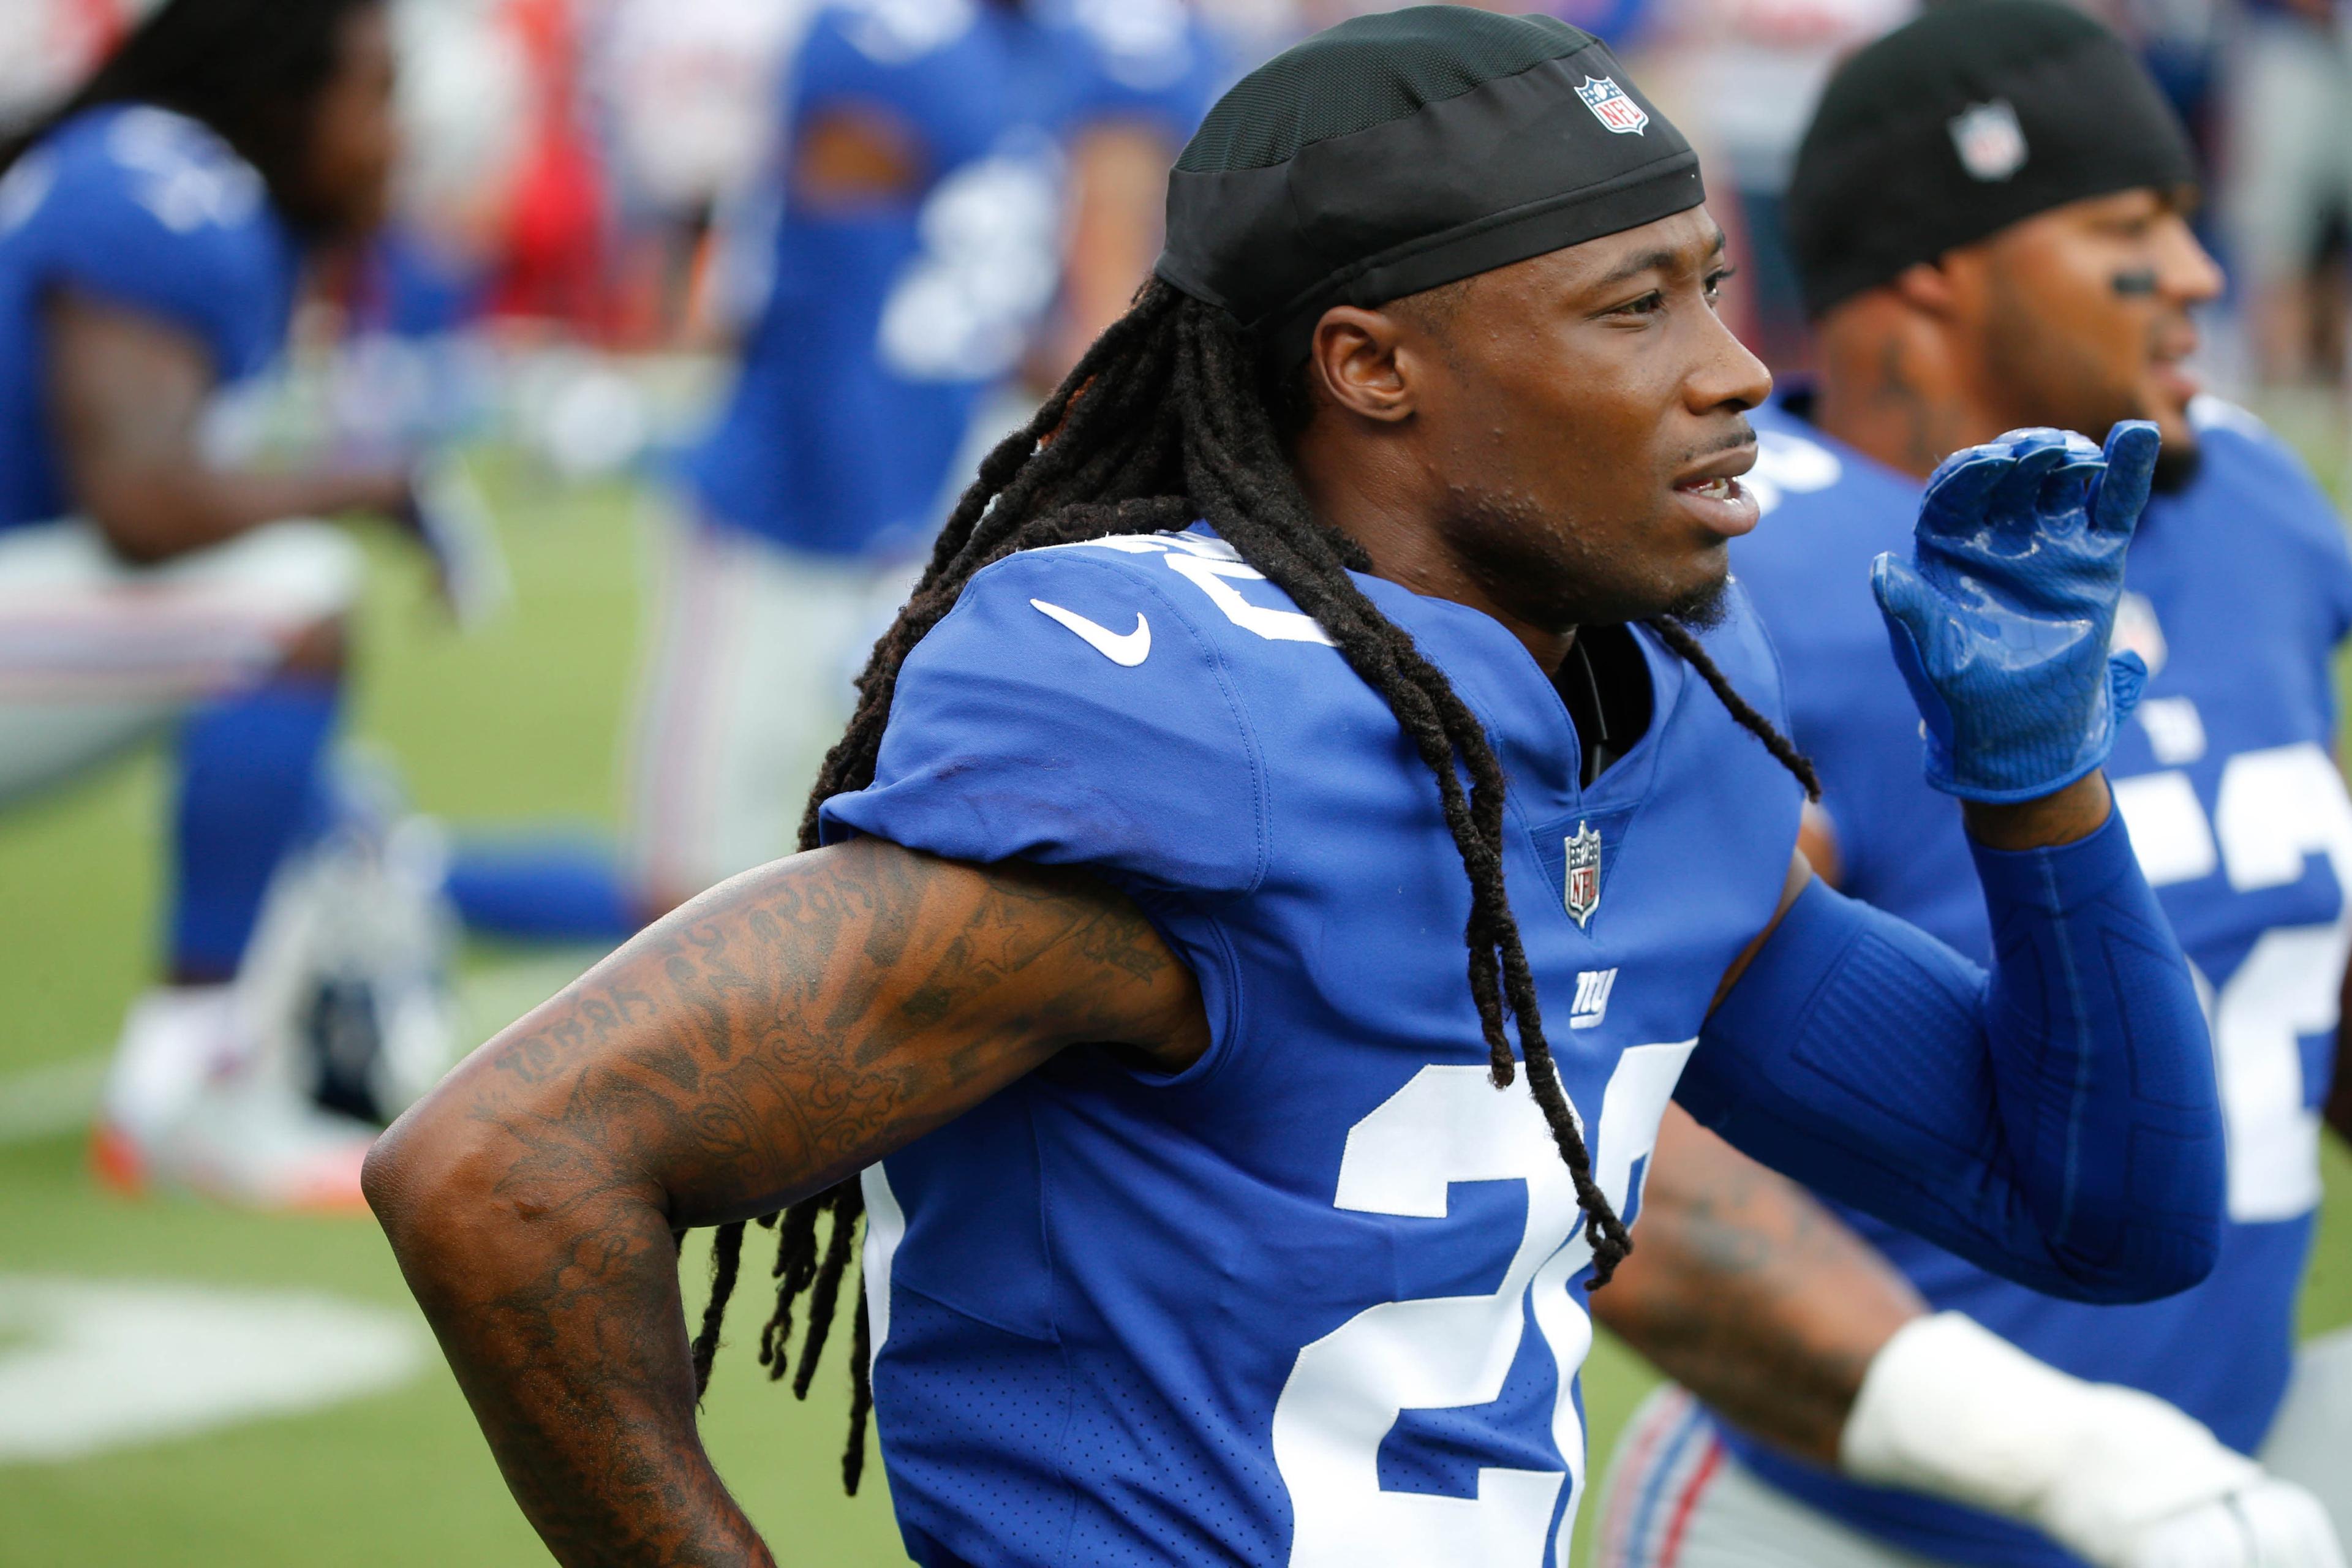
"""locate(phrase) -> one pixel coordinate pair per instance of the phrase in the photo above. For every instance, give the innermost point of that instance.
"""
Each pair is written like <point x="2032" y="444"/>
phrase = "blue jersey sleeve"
<point x="150" y="211"/>
<point x="2055" y="1122"/>
<point x="1068" y="711"/>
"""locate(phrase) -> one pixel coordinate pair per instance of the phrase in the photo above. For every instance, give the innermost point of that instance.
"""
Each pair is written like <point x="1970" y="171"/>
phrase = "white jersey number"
<point x="2276" y="808"/>
<point x="1449" y="1124"/>
<point x="965" y="308"/>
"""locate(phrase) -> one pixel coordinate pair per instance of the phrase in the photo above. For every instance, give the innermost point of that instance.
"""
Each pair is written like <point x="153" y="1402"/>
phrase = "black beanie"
<point x="1399" y="151"/>
<point x="1976" y="116"/>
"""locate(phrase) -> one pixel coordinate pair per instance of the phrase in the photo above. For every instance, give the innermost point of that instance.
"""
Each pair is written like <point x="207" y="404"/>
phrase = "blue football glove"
<point x="2001" y="623"/>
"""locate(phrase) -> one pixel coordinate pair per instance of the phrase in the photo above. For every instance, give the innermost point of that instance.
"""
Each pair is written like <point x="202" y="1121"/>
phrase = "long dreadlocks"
<point x="1167" y="420"/>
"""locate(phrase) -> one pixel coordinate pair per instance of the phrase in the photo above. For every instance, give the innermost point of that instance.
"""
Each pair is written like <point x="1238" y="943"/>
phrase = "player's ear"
<point x="1927" y="286"/>
<point x="1354" y="356"/>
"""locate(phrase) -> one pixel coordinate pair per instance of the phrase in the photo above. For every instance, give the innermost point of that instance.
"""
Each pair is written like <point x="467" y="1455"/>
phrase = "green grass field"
<point x="515" y="725"/>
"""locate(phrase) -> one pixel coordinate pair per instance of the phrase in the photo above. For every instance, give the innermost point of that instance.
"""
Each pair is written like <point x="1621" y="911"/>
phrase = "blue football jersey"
<point x="1317" y="1299"/>
<point x="2239" y="590"/>
<point x="145" y="209"/>
<point x="883" y="330"/>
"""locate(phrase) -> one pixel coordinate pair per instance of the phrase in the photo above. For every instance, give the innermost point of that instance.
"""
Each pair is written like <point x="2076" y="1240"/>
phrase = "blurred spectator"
<point x="555" y="256"/>
<point x="2286" y="190"/>
<point x="48" y="45"/>
<point x="687" y="94"/>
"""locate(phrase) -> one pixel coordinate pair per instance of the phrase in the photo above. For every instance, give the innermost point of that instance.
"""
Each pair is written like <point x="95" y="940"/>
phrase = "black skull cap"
<point x="1399" y="151"/>
<point x="1976" y="115"/>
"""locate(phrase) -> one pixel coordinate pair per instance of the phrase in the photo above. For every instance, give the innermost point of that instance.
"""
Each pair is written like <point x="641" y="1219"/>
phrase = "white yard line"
<point x="104" y="1364"/>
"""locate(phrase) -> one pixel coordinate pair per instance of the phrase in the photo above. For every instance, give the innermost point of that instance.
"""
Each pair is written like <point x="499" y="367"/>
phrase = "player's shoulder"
<point x="1073" y="708"/>
<point x="134" y="172"/>
<point x="1826" y="512"/>
<point x="1811" y="485"/>
<point x="1143" y="46"/>
<point x="892" y="33"/>
<point x="2243" y="459"/>
<point x="1183" y="598"/>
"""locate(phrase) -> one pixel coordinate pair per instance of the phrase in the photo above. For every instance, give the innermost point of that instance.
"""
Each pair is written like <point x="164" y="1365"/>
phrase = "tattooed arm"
<point x="771" y="1037"/>
<point x="1746" y="1290"/>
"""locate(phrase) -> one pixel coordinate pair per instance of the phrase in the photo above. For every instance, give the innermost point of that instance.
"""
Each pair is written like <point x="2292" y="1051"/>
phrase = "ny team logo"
<point x="1611" y="106"/>
<point x="1583" y="875"/>
<point x="1991" y="143"/>
<point x="1593" y="988"/>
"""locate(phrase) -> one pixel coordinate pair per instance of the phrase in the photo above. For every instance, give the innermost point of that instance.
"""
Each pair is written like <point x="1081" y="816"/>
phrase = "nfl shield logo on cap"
<point x="1991" y="143"/>
<point x="1583" y="874"/>
<point x="1611" y="106"/>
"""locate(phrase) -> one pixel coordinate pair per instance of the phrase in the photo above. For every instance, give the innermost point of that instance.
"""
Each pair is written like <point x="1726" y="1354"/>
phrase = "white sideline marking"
<point x="61" y="1097"/>
<point x="107" y="1364"/>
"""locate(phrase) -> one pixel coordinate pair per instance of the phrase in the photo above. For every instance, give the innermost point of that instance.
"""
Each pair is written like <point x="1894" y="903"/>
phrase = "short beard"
<point x="1704" y="608"/>
<point x="1540" y="570"/>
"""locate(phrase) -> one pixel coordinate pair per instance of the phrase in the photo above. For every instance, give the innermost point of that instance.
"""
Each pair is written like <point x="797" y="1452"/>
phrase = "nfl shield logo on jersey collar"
<point x="1610" y="106"/>
<point x="1583" y="874"/>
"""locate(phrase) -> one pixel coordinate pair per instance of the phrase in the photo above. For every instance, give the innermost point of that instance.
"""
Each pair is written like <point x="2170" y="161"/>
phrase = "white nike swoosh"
<point x="1129" y="649"/>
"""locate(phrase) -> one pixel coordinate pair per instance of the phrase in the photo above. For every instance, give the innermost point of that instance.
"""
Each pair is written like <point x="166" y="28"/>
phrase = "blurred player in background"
<point x="2038" y="269"/>
<point x="933" y="154"/>
<point x="153" y="233"/>
<point x="949" y="171"/>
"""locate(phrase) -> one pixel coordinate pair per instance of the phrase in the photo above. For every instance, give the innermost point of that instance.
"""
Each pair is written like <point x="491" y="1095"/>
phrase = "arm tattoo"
<point x="770" y="1038"/>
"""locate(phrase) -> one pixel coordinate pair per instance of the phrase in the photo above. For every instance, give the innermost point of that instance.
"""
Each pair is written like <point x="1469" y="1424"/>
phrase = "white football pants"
<point x="96" y="653"/>
<point x="748" y="684"/>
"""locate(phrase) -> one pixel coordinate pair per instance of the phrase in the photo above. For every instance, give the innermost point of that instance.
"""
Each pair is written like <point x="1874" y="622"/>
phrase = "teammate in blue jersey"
<point x="151" y="232"/>
<point x="962" y="184"/>
<point x="2107" y="1433"/>
<point x="920" y="245"/>
<point x="1362" y="590"/>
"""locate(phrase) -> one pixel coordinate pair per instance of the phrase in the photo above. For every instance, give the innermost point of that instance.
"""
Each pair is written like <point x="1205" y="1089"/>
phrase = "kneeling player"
<point x="151" y="236"/>
<point x="2044" y="272"/>
<point x="1364" y="585"/>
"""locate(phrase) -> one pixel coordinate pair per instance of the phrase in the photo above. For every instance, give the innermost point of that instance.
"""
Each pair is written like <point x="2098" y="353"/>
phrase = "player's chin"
<point x="1693" y="594"/>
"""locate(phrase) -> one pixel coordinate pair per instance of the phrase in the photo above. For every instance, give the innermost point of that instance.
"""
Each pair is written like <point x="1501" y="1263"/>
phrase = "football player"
<point x="1876" y="1400"/>
<point x="1361" y="589"/>
<point x="152" y="234"/>
<point x="950" y="169"/>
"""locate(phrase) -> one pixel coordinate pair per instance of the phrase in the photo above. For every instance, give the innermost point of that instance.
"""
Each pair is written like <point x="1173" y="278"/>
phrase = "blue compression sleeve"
<point x="248" y="788"/>
<point x="2055" y="1122"/>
